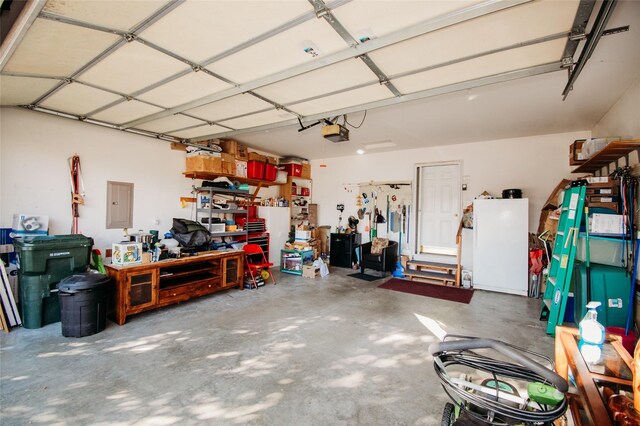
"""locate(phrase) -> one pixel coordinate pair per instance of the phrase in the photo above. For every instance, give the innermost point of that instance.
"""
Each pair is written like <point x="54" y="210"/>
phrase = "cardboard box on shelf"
<point x="204" y="163"/>
<point x="306" y="171"/>
<point x="229" y="167"/>
<point x="272" y="160"/>
<point x="576" y="157"/>
<point x="548" y="222"/>
<point x="229" y="158"/>
<point x="254" y="156"/>
<point x="241" y="168"/>
<point x="238" y="150"/>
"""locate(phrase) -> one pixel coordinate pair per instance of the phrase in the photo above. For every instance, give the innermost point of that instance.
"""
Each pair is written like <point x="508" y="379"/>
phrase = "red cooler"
<point x="293" y="169"/>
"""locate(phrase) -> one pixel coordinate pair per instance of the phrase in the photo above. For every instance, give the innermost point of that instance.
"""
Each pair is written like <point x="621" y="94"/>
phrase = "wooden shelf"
<point x="211" y="176"/>
<point x="607" y="155"/>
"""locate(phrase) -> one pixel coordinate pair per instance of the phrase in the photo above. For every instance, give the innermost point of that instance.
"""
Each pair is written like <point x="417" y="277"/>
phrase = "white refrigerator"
<point x="501" y="246"/>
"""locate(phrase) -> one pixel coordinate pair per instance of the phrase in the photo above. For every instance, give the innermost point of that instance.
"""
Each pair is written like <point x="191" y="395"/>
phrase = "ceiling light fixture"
<point x="360" y="151"/>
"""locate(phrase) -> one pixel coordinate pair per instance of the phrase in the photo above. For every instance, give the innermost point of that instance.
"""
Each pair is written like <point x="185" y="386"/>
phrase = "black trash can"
<point x="83" y="304"/>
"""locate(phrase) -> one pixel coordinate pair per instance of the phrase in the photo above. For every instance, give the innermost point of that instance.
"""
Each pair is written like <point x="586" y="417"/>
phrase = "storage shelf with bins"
<point x="291" y="261"/>
<point x="299" y="214"/>
<point x="607" y="155"/>
<point x="205" y="215"/>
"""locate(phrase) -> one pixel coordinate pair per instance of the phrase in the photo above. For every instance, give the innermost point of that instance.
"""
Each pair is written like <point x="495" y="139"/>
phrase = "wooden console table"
<point x="615" y="367"/>
<point x="148" y="286"/>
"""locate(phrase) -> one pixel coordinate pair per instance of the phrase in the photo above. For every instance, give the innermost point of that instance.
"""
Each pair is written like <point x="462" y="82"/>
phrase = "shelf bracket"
<point x="255" y="194"/>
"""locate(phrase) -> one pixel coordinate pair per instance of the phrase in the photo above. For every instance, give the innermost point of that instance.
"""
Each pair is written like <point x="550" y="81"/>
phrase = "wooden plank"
<point x="595" y="409"/>
<point x="427" y="274"/>
<point x="432" y="264"/>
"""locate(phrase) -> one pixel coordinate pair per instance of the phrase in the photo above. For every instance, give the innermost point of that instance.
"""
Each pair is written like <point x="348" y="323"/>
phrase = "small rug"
<point x="365" y="277"/>
<point x="461" y="295"/>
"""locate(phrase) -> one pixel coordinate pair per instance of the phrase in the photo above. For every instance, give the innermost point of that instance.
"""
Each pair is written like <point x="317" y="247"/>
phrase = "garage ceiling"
<point x="255" y="70"/>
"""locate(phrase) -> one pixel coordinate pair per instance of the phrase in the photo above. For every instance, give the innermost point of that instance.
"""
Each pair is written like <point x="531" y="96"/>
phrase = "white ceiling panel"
<point x="372" y="93"/>
<point x="367" y="18"/>
<point x="56" y="49"/>
<point x="351" y="73"/>
<point x="199" y="30"/>
<point x="120" y="15"/>
<point x="131" y="68"/>
<point x="167" y="124"/>
<point x="484" y="66"/>
<point x="126" y="111"/>
<point x="280" y="52"/>
<point x="23" y="90"/>
<point x="229" y="107"/>
<point x="79" y="99"/>
<point x="259" y="119"/>
<point x="184" y="89"/>
<point x="515" y="25"/>
<point x="200" y="131"/>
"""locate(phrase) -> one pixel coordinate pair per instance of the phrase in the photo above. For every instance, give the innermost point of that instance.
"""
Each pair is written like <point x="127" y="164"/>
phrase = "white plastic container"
<point x="606" y="251"/>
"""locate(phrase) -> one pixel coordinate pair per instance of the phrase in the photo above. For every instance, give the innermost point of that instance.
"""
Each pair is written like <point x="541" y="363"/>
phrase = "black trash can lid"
<point x="83" y="281"/>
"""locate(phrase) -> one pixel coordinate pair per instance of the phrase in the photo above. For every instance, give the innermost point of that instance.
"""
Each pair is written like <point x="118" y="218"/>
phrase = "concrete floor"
<point x="333" y="350"/>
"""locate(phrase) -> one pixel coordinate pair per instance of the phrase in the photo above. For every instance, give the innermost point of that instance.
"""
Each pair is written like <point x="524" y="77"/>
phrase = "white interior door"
<point x="438" y="208"/>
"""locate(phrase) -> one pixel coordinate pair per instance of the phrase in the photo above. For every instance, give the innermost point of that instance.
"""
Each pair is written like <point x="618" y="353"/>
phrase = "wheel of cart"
<point x="494" y="383"/>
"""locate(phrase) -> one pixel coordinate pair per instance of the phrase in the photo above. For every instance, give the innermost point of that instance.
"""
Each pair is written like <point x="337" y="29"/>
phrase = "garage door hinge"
<point x="567" y="62"/>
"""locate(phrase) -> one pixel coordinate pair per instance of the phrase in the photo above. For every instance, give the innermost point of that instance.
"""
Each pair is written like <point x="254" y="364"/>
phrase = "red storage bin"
<point x="270" y="172"/>
<point x="293" y="169"/>
<point x="255" y="170"/>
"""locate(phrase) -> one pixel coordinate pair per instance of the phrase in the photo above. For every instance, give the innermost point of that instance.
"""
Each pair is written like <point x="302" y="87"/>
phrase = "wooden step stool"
<point x="432" y="272"/>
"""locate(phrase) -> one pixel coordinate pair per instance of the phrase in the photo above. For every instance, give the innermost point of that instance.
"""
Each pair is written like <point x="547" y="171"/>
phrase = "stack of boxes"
<point x="603" y="192"/>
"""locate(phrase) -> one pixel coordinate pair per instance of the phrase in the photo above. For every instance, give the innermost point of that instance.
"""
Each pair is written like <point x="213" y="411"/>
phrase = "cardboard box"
<point x="238" y="150"/>
<point x="241" y="168"/>
<point x="548" y="222"/>
<point x="254" y="156"/>
<point x="609" y="206"/>
<point x="30" y="224"/>
<point x="303" y="235"/>
<point x="126" y="253"/>
<point x="204" y="163"/>
<point x="606" y="224"/>
<point x="229" y="168"/>
<point x="306" y="171"/>
<point x="576" y="157"/>
<point x="228" y="158"/>
<point x="554" y="201"/>
<point x="272" y="160"/>
<point x="310" y="271"/>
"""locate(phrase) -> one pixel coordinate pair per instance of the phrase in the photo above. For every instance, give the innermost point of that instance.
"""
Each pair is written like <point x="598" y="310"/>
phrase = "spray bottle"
<point x="591" y="331"/>
<point x="591" y="335"/>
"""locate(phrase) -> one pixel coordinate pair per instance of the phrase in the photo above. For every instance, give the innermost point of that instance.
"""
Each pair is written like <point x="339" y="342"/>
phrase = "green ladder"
<point x="564" y="254"/>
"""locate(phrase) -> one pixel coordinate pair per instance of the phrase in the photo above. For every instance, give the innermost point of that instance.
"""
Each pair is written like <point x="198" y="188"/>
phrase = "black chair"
<point x="383" y="262"/>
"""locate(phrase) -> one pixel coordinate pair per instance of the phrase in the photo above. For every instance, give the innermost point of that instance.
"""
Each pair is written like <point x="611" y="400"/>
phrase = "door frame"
<point x="415" y="215"/>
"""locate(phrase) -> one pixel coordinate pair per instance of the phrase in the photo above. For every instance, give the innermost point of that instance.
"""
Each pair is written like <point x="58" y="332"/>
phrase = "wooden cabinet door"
<point x="232" y="271"/>
<point x="142" y="290"/>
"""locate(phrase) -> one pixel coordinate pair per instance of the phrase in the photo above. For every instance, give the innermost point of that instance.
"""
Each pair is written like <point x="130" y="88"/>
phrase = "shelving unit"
<point x="210" y="212"/>
<point x="253" y="182"/>
<point x="299" y="214"/>
<point x="610" y="153"/>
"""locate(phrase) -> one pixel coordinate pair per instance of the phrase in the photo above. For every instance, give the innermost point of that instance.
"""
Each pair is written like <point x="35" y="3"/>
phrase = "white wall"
<point x="35" y="176"/>
<point x="535" y="164"/>
<point x="624" y="116"/>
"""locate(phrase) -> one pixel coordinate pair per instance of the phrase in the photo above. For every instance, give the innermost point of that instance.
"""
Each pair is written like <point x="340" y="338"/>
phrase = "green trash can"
<point x="610" y="285"/>
<point x="43" y="261"/>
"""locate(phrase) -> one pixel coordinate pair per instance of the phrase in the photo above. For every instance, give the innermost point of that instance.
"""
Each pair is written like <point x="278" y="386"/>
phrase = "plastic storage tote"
<point x="255" y="170"/>
<point x="610" y="286"/>
<point x="270" y="172"/>
<point x="83" y="304"/>
<point x="606" y="251"/>
<point x="43" y="261"/>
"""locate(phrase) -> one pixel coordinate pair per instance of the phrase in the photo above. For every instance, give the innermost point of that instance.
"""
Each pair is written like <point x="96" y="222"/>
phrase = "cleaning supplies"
<point x="591" y="331"/>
